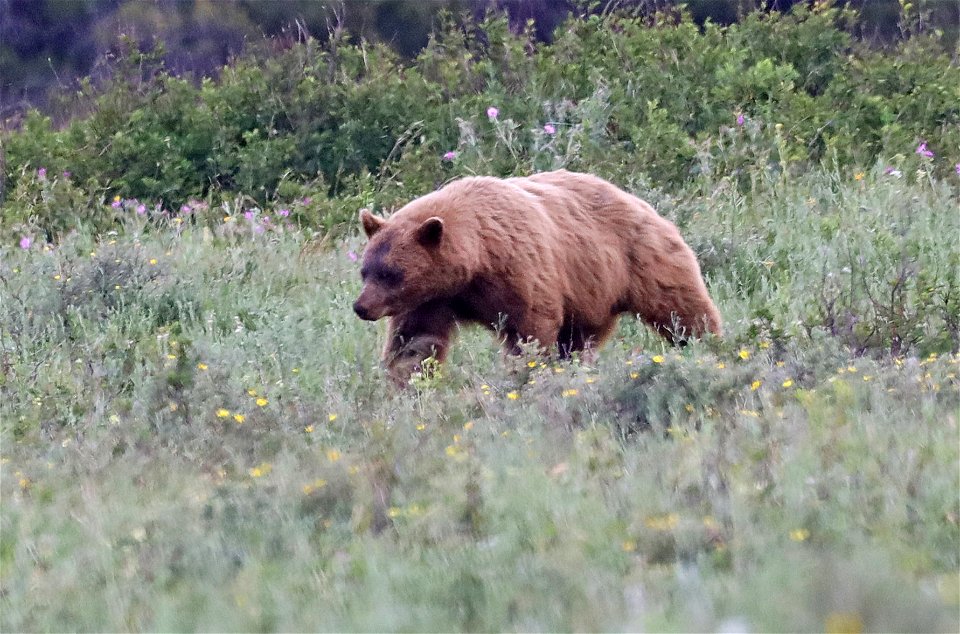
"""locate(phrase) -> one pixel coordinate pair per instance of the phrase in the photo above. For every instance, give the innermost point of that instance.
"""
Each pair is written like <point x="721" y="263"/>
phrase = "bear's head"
<point x="419" y="254"/>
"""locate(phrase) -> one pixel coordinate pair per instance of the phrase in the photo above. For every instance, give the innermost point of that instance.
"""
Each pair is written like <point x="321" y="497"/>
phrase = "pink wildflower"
<point x="258" y="229"/>
<point x="493" y="112"/>
<point x="116" y="204"/>
<point x="352" y="256"/>
<point x="740" y="119"/>
<point x="923" y="151"/>
<point x="449" y="156"/>
<point x="283" y="213"/>
<point x="42" y="173"/>
<point x="67" y="174"/>
<point x="25" y="242"/>
<point x="957" y="168"/>
<point x="549" y="129"/>
<point x="141" y="209"/>
<point x="185" y="209"/>
<point x="892" y="171"/>
<point x="248" y="215"/>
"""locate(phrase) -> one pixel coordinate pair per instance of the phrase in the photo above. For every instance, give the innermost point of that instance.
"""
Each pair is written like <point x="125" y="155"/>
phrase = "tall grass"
<point x="196" y="435"/>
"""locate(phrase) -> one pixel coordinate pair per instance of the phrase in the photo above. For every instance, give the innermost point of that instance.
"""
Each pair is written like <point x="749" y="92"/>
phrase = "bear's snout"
<point x="362" y="311"/>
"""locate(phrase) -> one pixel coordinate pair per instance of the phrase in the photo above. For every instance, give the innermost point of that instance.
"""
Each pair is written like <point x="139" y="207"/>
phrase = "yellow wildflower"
<point x="721" y="365"/>
<point x="570" y="392"/>
<point x="858" y="176"/>
<point x="153" y="261"/>
<point x="657" y="358"/>
<point x="239" y="418"/>
<point x="262" y="402"/>
<point x="559" y="370"/>
<point x="756" y="385"/>
<point x="201" y="366"/>
<point x="421" y="426"/>
<point x="744" y="354"/>
<point x="313" y="486"/>
<point x="662" y="522"/>
<point x="332" y="417"/>
<point x="252" y="392"/>
<point x="309" y="429"/>
<point x="799" y="534"/>
<point x="788" y="383"/>
<point x="634" y="375"/>
<point x="223" y="413"/>
<point x="467" y="426"/>
<point x="512" y="396"/>
<point x="531" y="364"/>
<point x="333" y="455"/>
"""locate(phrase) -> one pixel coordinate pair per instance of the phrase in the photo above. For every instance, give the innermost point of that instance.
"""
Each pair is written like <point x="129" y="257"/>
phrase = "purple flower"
<point x="957" y="167"/>
<point x="42" y="173"/>
<point x="740" y="119"/>
<point x="258" y="229"/>
<point x="283" y="213"/>
<point x="306" y="201"/>
<point x="141" y="209"/>
<point x="892" y="171"/>
<point x="352" y="256"/>
<point x="25" y="242"/>
<point x="449" y="156"/>
<point x="248" y="215"/>
<point x="549" y="129"/>
<point x="67" y="174"/>
<point x="923" y="151"/>
<point x="493" y="112"/>
<point x="185" y="209"/>
<point x="116" y="204"/>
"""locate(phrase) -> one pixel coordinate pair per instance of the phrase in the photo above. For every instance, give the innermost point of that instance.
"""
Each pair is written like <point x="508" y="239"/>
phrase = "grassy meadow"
<point x="197" y="436"/>
<point x="196" y="433"/>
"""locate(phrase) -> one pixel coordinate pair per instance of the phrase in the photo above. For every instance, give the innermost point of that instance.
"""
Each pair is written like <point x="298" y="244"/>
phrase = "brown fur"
<point x="555" y="257"/>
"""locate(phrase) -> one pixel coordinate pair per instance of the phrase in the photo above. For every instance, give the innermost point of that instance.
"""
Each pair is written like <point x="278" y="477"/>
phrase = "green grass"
<point x="801" y="474"/>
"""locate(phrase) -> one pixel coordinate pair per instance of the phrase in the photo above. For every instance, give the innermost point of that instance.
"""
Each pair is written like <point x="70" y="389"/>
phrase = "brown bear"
<point x="554" y="257"/>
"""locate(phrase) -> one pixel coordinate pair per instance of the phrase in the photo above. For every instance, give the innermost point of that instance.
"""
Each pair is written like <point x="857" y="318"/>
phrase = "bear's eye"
<point x="409" y="353"/>
<point x="389" y="277"/>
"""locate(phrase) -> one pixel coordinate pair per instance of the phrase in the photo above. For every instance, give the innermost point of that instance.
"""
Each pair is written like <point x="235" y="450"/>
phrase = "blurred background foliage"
<point x="48" y="44"/>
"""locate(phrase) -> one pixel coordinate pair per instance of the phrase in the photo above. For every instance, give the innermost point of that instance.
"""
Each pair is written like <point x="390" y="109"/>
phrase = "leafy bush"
<point x="659" y="102"/>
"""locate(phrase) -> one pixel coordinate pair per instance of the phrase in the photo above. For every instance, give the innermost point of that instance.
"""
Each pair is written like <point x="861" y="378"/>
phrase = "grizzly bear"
<point x="553" y="258"/>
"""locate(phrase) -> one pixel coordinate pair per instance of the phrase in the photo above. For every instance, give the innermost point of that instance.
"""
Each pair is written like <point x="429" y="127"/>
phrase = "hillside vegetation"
<point x="195" y="432"/>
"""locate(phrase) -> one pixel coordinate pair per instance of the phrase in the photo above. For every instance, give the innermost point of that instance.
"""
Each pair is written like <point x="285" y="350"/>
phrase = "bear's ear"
<point x="430" y="232"/>
<point x="371" y="224"/>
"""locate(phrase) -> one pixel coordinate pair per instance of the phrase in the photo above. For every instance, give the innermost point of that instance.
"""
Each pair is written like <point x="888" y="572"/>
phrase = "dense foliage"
<point x="622" y="98"/>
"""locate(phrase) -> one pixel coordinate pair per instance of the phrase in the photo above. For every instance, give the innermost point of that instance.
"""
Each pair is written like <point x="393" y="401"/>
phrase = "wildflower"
<point x="493" y="113"/>
<point x="799" y="534"/>
<point x="173" y="407"/>
<point x="788" y="383"/>
<point x="227" y="218"/>
<point x="512" y="396"/>
<point x="202" y="366"/>
<point x="744" y="354"/>
<point x="467" y="426"/>
<point x="239" y="418"/>
<point x="25" y="242"/>
<point x="550" y="129"/>
<point x="153" y="261"/>
<point x="957" y="168"/>
<point x="141" y="209"/>
<point x="558" y="370"/>
<point x="352" y="256"/>
<point x="892" y="171"/>
<point x="283" y="213"/>
<point x="923" y="151"/>
<point x="57" y="277"/>
<point x="116" y="204"/>
<point x="223" y="413"/>
<point x="756" y="385"/>
<point x="421" y="426"/>
<point x="67" y="174"/>
<point x="251" y="392"/>
<point x="531" y="364"/>
<point x="740" y="120"/>
<point x="333" y="455"/>
<point x="689" y="407"/>
<point x="332" y="417"/>
<point x="628" y="545"/>
<point x="261" y="470"/>
<point x="662" y="522"/>
<point x="309" y="429"/>
<point x="843" y="623"/>
<point x="42" y="173"/>
<point x="657" y="358"/>
<point x="570" y="392"/>
<point x="248" y="215"/>
<point x="313" y="486"/>
<point x="185" y="209"/>
<point x="721" y="365"/>
<point x="449" y="156"/>
<point x="858" y="176"/>
<point x="262" y="402"/>
<point x="590" y="380"/>
<point x="258" y="229"/>
<point x="764" y="345"/>
<point x="634" y="375"/>
<point x="296" y="370"/>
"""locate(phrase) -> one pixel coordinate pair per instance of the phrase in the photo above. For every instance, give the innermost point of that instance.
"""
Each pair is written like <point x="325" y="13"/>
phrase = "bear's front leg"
<point x="417" y="335"/>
